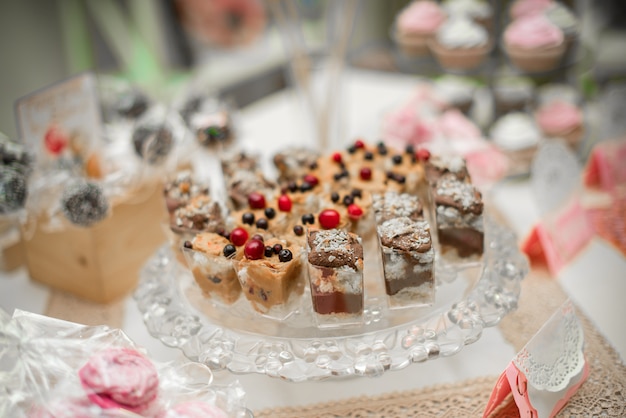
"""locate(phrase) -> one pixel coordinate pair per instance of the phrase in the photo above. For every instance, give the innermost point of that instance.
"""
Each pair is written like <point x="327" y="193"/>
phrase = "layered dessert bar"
<point x="459" y="214"/>
<point x="408" y="258"/>
<point x="335" y="262"/>
<point x="210" y="257"/>
<point x="394" y="205"/>
<point x="271" y="276"/>
<point x="440" y="164"/>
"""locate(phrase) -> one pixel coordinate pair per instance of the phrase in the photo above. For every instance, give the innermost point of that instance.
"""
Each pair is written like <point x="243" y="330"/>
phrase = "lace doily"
<point x="555" y="355"/>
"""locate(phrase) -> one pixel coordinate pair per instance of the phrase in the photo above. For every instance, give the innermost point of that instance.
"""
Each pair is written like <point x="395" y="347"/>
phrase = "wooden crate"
<point x="100" y="263"/>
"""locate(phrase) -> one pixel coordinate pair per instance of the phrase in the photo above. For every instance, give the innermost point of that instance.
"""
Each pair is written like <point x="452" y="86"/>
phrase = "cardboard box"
<point x="100" y="263"/>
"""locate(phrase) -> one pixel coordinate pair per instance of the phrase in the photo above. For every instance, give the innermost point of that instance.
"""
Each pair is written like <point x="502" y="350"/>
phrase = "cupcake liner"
<point x="536" y="60"/>
<point x="459" y="58"/>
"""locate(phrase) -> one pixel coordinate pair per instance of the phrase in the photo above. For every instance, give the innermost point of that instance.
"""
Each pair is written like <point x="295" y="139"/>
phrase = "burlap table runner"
<point x="603" y="394"/>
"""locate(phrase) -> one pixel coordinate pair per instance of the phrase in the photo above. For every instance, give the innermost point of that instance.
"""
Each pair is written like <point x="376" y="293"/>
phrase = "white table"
<point x="596" y="280"/>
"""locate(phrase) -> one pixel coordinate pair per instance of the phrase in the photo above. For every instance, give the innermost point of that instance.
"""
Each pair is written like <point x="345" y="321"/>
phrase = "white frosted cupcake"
<point x="460" y="44"/>
<point x="512" y="93"/>
<point x="480" y="11"/>
<point x="456" y="91"/>
<point x="558" y="91"/>
<point x="517" y="135"/>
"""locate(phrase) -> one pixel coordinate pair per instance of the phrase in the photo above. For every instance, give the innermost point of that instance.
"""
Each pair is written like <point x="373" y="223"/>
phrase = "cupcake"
<point x="560" y="119"/>
<point x="480" y="11"/>
<point x="534" y="44"/>
<point x="460" y="44"/>
<point x="512" y="93"/>
<point x="416" y="24"/>
<point x="525" y="8"/>
<point x="558" y="91"/>
<point x="456" y="91"/>
<point x="517" y="135"/>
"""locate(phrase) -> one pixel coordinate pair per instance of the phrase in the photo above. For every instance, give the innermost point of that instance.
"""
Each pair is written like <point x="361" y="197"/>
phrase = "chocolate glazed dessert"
<point x="459" y="208"/>
<point x="336" y="272"/>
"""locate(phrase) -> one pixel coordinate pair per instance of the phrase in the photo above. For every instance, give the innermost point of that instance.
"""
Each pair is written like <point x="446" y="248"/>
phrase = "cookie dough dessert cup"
<point x="272" y="276"/>
<point x="335" y="268"/>
<point x="209" y="257"/>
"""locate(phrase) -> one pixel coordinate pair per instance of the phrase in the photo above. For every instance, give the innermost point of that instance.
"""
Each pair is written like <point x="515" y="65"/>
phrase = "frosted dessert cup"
<point x="533" y="44"/>
<point x="335" y="267"/>
<point x="460" y="44"/>
<point x="516" y="134"/>
<point x="408" y="257"/>
<point x="210" y="258"/>
<point x="560" y="119"/>
<point x="415" y="25"/>
<point x="456" y="91"/>
<point x="271" y="276"/>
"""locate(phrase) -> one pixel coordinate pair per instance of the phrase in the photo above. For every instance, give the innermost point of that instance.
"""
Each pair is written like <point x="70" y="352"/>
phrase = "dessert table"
<point x="452" y="386"/>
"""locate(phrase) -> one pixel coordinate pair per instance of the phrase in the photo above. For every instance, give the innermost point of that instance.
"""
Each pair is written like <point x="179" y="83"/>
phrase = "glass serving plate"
<point x="470" y="297"/>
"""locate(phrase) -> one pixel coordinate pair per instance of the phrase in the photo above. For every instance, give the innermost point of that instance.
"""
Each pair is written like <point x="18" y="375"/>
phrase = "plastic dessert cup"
<point x="408" y="258"/>
<point x="211" y="269"/>
<point x="335" y="270"/>
<point x="272" y="286"/>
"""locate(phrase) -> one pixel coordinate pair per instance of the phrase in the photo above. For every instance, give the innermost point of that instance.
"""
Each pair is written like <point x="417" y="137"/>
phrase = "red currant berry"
<point x="284" y="203"/>
<point x="254" y="249"/>
<point x="256" y="200"/>
<point x="238" y="236"/>
<point x="423" y="154"/>
<point x="337" y="157"/>
<point x="55" y="140"/>
<point x="355" y="211"/>
<point x="366" y="173"/>
<point x="359" y="144"/>
<point x="329" y="219"/>
<point x="311" y="179"/>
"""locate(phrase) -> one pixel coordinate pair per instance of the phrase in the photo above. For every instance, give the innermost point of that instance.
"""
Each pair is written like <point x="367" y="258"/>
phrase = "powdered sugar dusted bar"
<point x="393" y="205"/>
<point x="336" y="276"/>
<point x="439" y="165"/>
<point x="408" y="258"/>
<point x="459" y="212"/>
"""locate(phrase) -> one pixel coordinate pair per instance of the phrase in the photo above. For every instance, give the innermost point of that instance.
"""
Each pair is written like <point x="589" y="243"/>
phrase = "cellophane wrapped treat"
<point x="51" y="368"/>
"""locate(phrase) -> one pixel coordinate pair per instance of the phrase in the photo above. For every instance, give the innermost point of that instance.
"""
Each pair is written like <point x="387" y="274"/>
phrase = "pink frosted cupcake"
<point x="416" y="24"/>
<point x="460" y="44"/>
<point x="525" y="8"/>
<point x="560" y="119"/>
<point x="534" y="44"/>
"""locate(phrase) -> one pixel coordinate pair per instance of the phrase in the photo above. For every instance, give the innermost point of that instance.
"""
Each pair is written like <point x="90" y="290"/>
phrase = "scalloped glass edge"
<point x="441" y="334"/>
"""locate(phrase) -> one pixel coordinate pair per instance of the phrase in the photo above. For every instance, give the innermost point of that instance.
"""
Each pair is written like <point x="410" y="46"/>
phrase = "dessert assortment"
<point x="539" y="35"/>
<point x="322" y="224"/>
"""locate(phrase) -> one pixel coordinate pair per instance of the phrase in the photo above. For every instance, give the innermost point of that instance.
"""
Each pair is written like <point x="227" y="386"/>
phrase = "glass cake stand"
<point x="470" y="297"/>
